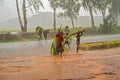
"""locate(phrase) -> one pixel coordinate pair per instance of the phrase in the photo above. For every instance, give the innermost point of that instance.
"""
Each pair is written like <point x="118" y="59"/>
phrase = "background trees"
<point x="36" y="5"/>
<point x="89" y="5"/>
<point x="70" y="9"/>
<point x="102" y="6"/>
<point x="19" y="16"/>
<point x="115" y="9"/>
<point x="54" y="4"/>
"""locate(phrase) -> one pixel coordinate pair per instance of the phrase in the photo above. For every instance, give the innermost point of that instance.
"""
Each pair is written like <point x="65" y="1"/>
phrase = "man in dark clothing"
<point x="79" y="34"/>
<point x="39" y="35"/>
<point x="67" y="29"/>
<point x="45" y="34"/>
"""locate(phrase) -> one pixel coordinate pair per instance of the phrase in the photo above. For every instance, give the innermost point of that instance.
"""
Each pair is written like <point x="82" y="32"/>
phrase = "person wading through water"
<point x="39" y="31"/>
<point x="67" y="40"/>
<point x="67" y="30"/>
<point x="67" y="36"/>
<point x="45" y="32"/>
<point x="59" y="41"/>
<point x="78" y="36"/>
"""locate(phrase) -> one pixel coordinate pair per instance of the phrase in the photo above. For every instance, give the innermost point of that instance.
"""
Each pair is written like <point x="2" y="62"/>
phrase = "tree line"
<point x="70" y="9"/>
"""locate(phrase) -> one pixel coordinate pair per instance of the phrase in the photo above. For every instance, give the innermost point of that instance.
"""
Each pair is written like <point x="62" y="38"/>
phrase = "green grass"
<point x="90" y="31"/>
<point x="100" y="45"/>
<point x="10" y="40"/>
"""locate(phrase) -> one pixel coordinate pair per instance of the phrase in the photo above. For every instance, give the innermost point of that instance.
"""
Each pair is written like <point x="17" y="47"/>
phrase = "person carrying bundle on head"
<point x="78" y="36"/>
<point x="59" y="42"/>
<point x="39" y="31"/>
<point x="57" y="46"/>
<point x="67" y="29"/>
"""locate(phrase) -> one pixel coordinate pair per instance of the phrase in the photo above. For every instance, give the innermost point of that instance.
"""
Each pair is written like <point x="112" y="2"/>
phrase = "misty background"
<point x="8" y="17"/>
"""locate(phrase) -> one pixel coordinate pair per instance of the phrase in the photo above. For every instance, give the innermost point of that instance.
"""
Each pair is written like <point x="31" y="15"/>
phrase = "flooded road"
<point x="32" y="61"/>
<point x="34" y="48"/>
<point x="89" y="65"/>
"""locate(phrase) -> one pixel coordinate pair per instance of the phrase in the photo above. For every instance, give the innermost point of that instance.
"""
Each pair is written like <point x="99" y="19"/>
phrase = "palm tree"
<point x="115" y="9"/>
<point x="24" y="16"/>
<point x="102" y="6"/>
<point x="54" y="5"/>
<point x="35" y="6"/>
<point x="89" y="5"/>
<point x="19" y="16"/>
<point x="71" y="9"/>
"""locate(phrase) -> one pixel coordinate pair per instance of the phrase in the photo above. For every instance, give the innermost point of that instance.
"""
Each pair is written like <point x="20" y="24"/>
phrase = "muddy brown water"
<point x="32" y="61"/>
<point x="84" y="66"/>
<point x="42" y="48"/>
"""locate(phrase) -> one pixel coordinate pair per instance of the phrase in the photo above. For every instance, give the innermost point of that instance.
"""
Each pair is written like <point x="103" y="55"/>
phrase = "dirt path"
<point x="88" y="65"/>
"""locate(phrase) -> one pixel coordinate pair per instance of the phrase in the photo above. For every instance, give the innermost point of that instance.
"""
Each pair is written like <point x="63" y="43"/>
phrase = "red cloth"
<point x="59" y="37"/>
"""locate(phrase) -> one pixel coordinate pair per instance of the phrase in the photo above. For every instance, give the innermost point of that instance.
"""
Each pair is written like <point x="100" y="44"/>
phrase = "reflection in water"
<point x="77" y="67"/>
<point x="57" y="69"/>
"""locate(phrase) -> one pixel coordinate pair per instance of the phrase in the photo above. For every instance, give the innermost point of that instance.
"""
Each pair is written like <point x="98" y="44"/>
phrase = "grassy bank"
<point x="15" y="39"/>
<point x="90" y="31"/>
<point x="93" y="31"/>
<point x="100" y="45"/>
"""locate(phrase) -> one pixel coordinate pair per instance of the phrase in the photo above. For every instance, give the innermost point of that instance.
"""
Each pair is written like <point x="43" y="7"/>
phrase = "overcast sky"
<point x="8" y="10"/>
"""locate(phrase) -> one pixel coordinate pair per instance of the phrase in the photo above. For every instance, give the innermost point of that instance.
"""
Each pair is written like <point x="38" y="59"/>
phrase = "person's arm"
<point x="81" y="33"/>
<point x="74" y="33"/>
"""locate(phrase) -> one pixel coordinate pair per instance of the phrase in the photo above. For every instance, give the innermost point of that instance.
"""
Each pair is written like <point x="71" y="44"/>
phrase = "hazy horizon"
<point x="8" y="10"/>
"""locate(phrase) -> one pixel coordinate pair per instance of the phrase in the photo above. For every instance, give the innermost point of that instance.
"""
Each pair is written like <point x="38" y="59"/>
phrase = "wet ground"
<point x="32" y="61"/>
<point x="87" y="65"/>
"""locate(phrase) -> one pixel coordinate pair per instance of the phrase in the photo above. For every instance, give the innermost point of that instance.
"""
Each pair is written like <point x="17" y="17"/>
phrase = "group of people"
<point x="40" y="31"/>
<point x="64" y="38"/>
